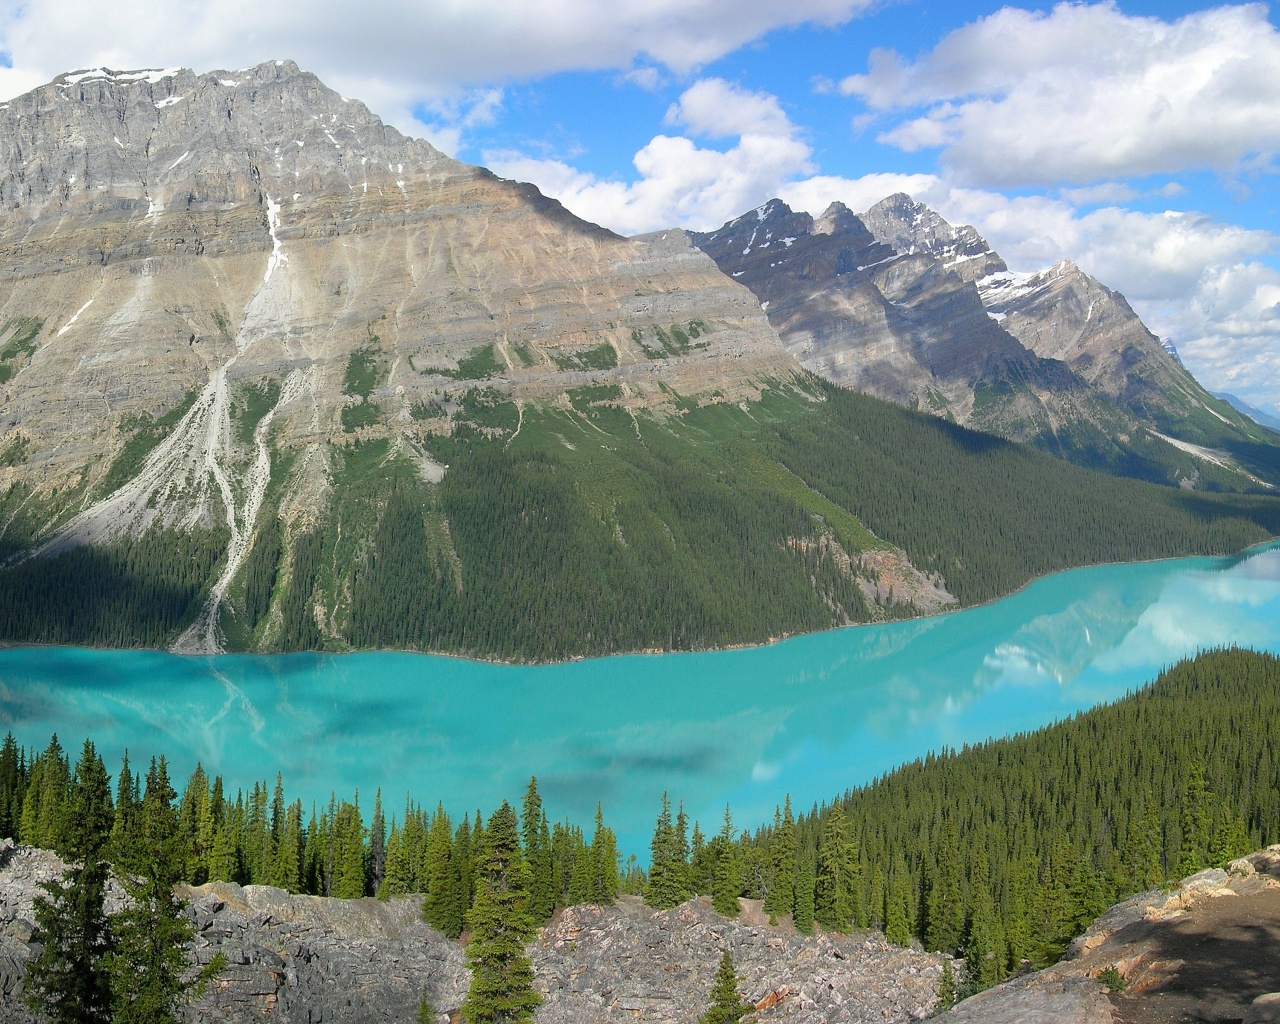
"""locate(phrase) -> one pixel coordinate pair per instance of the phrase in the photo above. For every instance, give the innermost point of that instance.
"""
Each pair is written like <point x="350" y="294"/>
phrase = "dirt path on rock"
<point x="1229" y="950"/>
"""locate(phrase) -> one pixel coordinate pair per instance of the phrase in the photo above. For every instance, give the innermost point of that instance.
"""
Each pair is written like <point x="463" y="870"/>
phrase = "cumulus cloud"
<point x="1085" y="93"/>
<point x="680" y="182"/>
<point x="394" y="52"/>
<point x="816" y="193"/>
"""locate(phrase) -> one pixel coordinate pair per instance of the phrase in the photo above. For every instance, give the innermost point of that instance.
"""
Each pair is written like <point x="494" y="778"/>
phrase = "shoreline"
<point x="1242" y="554"/>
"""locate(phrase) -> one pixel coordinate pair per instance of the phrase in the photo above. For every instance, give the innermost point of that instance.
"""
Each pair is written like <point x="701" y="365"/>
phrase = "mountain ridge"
<point x="898" y="303"/>
<point x="274" y="377"/>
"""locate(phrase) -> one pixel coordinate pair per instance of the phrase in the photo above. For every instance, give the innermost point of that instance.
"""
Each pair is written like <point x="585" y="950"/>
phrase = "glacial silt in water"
<point x="809" y="716"/>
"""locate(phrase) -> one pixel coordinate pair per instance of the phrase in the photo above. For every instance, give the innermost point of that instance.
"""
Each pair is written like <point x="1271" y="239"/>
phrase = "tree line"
<point x="999" y="853"/>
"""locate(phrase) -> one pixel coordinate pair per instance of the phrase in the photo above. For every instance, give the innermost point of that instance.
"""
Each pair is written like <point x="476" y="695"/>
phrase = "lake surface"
<point x="810" y="716"/>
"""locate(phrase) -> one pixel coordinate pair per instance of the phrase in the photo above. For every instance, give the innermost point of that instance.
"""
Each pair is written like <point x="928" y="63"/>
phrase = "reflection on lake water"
<point x="809" y="716"/>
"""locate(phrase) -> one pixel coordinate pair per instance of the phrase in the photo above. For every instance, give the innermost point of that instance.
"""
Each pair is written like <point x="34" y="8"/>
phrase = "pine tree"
<point x="501" y="990"/>
<point x="727" y="881"/>
<point x="782" y="856"/>
<point x="441" y="907"/>
<point x="898" y="926"/>
<point x="701" y="867"/>
<point x="537" y="854"/>
<point x="151" y="936"/>
<point x="804" y="897"/>
<point x="945" y="921"/>
<point x="876" y="899"/>
<point x="666" y="887"/>
<point x="124" y="833"/>
<point x="377" y="859"/>
<point x="837" y="887"/>
<point x="1230" y="838"/>
<point x="727" y="1005"/>
<point x="946" y="987"/>
<point x="1197" y="821"/>
<point x="580" y="877"/>
<point x="69" y="982"/>
<point x="604" y="863"/>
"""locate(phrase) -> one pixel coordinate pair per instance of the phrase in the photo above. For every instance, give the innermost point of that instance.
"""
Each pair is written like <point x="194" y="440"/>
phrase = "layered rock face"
<point x="885" y="303"/>
<point x="1062" y="313"/>
<point x="167" y="233"/>
<point x="265" y="270"/>
<point x="897" y="303"/>
<point x="1203" y="950"/>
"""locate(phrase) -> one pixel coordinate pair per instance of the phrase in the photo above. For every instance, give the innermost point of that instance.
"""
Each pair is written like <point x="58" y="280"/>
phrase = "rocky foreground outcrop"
<point x="310" y="959"/>
<point x="1203" y="951"/>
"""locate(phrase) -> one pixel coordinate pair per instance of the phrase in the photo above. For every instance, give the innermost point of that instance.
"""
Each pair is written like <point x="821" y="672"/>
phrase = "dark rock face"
<point x="897" y="303"/>
<point x="885" y="303"/>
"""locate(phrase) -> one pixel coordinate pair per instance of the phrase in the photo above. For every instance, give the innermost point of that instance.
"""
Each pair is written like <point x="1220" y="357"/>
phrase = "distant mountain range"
<point x="275" y="377"/>
<point x="897" y="303"/>
<point x="1253" y="412"/>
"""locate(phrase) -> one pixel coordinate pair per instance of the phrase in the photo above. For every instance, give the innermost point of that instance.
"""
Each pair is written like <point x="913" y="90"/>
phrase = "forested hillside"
<point x="1000" y="852"/>
<point x="589" y="527"/>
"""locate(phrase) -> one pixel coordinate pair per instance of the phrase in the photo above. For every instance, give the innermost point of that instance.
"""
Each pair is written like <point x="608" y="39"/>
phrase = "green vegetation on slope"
<point x="145" y="432"/>
<point x="20" y="332"/>
<point x="1006" y="850"/>
<point x="1001" y="852"/>
<point x="991" y="515"/>
<point x="585" y="528"/>
<point x="125" y="594"/>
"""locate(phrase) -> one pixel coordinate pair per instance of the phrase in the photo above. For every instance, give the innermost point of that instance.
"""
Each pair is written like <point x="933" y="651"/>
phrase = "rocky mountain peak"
<point x="911" y="227"/>
<point x="836" y="219"/>
<point x="772" y="222"/>
<point x="150" y="138"/>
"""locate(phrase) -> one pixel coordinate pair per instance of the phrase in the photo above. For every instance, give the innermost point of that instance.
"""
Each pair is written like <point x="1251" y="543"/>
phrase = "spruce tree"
<point x="701" y="868"/>
<point x="1230" y="838"/>
<point x="377" y="859"/>
<point x="441" y="907"/>
<point x="604" y="863"/>
<point x="124" y="832"/>
<point x="1197" y="821"/>
<point x="782" y="856"/>
<point x="897" y="928"/>
<point x="151" y="936"/>
<point x="727" y="1005"/>
<point x="666" y="887"/>
<point x="501" y="990"/>
<point x="580" y="878"/>
<point x="69" y="982"/>
<point x="837" y="887"/>
<point x="945" y="904"/>
<point x="804" y="897"/>
<point x="727" y="882"/>
<point x="542" y="883"/>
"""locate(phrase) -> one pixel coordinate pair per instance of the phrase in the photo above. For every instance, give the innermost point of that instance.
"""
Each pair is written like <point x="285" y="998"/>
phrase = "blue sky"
<point x="1139" y="139"/>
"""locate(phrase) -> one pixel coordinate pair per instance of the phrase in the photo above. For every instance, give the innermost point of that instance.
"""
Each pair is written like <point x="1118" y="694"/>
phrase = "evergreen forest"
<point x="998" y="853"/>
<point x="584" y="528"/>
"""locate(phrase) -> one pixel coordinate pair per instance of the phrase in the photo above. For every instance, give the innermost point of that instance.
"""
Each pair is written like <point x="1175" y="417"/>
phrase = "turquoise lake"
<point x="809" y="716"/>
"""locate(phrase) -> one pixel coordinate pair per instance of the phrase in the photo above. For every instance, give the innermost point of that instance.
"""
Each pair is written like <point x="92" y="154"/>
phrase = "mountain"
<point x="1257" y="415"/>
<point x="899" y="304"/>
<point x="275" y="377"/>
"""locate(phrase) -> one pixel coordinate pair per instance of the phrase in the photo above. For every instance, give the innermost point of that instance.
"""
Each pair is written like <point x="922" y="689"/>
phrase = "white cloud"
<point x="420" y="47"/>
<point x="680" y="182"/>
<point x="1085" y="93"/>
<point x="815" y="194"/>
